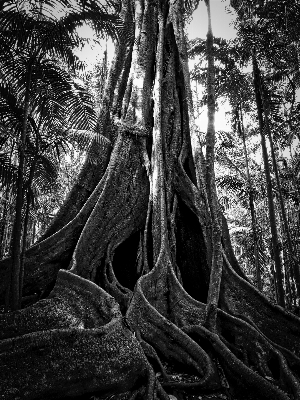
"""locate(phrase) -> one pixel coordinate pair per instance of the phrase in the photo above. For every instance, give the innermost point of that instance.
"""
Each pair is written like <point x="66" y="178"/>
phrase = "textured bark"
<point x="127" y="319"/>
<point x="217" y="261"/>
<point x="78" y="322"/>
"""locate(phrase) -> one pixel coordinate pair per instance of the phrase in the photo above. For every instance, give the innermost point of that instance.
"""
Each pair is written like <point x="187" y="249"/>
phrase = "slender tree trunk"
<point x="217" y="260"/>
<point x="251" y="200"/>
<point x="13" y="296"/>
<point x="25" y="225"/>
<point x="23" y="249"/>
<point x="272" y="215"/>
<point x="293" y="265"/>
<point x="4" y="222"/>
<point x="103" y="77"/>
<point x="158" y="168"/>
<point x="290" y="294"/>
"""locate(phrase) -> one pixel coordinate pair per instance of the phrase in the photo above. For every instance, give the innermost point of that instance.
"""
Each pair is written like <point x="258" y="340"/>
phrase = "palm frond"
<point x="232" y="183"/>
<point x="8" y="171"/>
<point x="82" y="138"/>
<point x="46" y="173"/>
<point x="103" y="23"/>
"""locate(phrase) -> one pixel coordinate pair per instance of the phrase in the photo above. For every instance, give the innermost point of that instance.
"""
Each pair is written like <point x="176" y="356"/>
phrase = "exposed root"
<point x="110" y="284"/>
<point x="152" y="356"/>
<point x="246" y="342"/>
<point x="103" y="360"/>
<point x="258" y="353"/>
<point x="74" y="302"/>
<point x="150" y="390"/>
<point x="250" y="361"/>
<point x="79" y="342"/>
<point x="240" y="298"/>
<point x="244" y="382"/>
<point x="120" y="208"/>
<point x="161" y="393"/>
<point x="148" y="312"/>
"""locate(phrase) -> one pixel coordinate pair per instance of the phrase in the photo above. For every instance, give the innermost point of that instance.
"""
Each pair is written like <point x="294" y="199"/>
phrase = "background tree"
<point x="259" y="27"/>
<point x="236" y="85"/>
<point x="32" y="85"/>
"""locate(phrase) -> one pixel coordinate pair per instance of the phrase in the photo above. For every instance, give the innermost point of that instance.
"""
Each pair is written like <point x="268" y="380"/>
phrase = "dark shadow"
<point x="124" y="261"/>
<point x="274" y="366"/>
<point x="191" y="253"/>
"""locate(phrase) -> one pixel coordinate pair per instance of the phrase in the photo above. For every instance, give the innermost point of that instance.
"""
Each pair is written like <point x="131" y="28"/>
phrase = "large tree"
<point x="123" y="272"/>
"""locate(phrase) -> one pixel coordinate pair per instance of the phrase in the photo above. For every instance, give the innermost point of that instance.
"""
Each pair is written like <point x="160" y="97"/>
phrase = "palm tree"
<point x="239" y="181"/>
<point x="269" y="32"/>
<point x="230" y="82"/>
<point x="33" y="40"/>
<point x="216" y="232"/>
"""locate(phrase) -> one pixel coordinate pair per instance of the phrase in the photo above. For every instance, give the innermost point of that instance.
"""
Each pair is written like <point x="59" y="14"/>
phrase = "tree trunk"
<point x="13" y="288"/>
<point x="5" y="215"/>
<point x="291" y="259"/>
<point x="272" y="215"/>
<point x="251" y="199"/>
<point x="25" y="225"/>
<point x="126" y="319"/>
<point x="217" y="261"/>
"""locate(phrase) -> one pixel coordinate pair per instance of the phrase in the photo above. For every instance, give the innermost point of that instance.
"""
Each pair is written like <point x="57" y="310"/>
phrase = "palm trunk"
<point x="4" y="222"/>
<point x="25" y="228"/>
<point x="13" y="295"/>
<point x="272" y="215"/>
<point x="216" y="266"/>
<point x="22" y="259"/>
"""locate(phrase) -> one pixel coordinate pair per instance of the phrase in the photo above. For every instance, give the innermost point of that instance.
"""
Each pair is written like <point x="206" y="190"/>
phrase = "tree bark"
<point x="13" y="287"/>
<point x="217" y="261"/>
<point x="127" y="317"/>
<point x="5" y="214"/>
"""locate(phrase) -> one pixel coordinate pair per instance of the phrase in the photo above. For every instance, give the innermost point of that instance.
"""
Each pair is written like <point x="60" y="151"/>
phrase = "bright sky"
<point x="221" y="25"/>
<point x="221" y="20"/>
